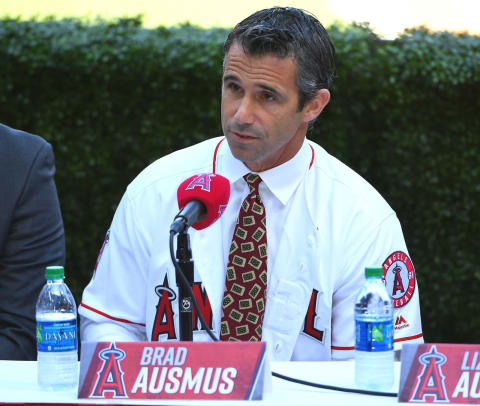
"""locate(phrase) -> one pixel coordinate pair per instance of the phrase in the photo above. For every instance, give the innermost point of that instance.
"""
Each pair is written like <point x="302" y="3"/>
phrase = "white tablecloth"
<point x="18" y="384"/>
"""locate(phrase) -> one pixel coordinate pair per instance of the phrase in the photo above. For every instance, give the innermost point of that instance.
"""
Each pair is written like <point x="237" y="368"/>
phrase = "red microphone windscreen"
<point x="211" y="189"/>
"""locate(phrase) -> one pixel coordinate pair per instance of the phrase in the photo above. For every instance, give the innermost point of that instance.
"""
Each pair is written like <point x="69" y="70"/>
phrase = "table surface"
<point x="18" y="384"/>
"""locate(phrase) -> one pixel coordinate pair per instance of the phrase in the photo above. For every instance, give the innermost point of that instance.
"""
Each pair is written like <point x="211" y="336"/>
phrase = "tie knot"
<point x="253" y="180"/>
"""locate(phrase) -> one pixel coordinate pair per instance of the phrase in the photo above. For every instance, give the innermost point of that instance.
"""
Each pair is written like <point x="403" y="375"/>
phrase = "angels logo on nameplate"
<point x="172" y="370"/>
<point x="440" y="373"/>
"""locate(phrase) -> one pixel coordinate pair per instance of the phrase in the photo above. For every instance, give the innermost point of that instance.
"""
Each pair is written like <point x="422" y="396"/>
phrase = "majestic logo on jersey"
<point x="202" y="181"/>
<point x="308" y="325"/>
<point x="431" y="382"/>
<point x="167" y="307"/>
<point x="105" y="242"/>
<point x="110" y="377"/>
<point x="401" y="323"/>
<point x="399" y="278"/>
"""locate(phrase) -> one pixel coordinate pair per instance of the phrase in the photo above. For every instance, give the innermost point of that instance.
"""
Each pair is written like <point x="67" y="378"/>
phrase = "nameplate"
<point x="440" y="373"/>
<point x="172" y="370"/>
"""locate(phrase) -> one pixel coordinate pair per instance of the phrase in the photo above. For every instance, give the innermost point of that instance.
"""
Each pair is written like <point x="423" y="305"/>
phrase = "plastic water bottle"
<point x="56" y="314"/>
<point x="374" y="334"/>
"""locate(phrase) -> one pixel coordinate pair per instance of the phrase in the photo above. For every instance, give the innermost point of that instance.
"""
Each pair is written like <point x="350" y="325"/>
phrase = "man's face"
<point x="260" y="116"/>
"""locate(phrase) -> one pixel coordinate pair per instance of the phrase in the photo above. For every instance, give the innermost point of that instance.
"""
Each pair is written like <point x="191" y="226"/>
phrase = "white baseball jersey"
<point x="325" y="224"/>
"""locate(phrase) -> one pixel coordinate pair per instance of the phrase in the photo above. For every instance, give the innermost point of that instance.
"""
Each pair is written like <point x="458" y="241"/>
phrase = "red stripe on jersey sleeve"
<point x="334" y="347"/>
<point x="409" y="338"/>
<point x="108" y="316"/>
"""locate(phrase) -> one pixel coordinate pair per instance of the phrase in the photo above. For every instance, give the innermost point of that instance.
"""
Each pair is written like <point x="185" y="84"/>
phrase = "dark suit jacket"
<point x="31" y="236"/>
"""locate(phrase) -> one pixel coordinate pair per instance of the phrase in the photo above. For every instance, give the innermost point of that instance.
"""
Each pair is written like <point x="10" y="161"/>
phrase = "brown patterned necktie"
<point x="246" y="280"/>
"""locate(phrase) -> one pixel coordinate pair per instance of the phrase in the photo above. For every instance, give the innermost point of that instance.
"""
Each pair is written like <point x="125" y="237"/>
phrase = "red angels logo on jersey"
<point x="308" y="326"/>
<point x="167" y="307"/>
<point x="203" y="302"/>
<point x="164" y="323"/>
<point x="399" y="276"/>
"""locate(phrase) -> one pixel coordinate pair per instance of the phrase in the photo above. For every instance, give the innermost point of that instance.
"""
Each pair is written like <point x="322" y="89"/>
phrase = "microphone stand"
<point x="185" y="262"/>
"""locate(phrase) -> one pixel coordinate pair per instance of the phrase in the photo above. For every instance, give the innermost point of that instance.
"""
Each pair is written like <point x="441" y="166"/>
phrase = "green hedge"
<point x="112" y="97"/>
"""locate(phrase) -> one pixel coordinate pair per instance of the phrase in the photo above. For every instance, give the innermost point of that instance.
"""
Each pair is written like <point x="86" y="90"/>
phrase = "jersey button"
<point x="278" y="347"/>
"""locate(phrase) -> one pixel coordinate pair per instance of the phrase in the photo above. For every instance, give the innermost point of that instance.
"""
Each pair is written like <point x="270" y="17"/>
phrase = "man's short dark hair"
<point x="287" y="32"/>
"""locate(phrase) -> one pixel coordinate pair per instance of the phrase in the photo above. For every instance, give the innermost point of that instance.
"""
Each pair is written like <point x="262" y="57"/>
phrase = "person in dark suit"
<point x="31" y="236"/>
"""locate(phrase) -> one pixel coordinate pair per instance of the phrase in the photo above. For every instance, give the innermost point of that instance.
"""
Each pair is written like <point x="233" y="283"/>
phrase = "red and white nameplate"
<point x="176" y="370"/>
<point x="440" y="373"/>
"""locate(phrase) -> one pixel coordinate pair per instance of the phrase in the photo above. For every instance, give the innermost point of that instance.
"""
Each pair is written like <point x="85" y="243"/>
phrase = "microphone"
<point x="201" y="199"/>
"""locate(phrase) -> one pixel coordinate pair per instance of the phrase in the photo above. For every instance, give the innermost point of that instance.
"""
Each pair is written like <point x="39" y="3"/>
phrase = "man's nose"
<point x="245" y="113"/>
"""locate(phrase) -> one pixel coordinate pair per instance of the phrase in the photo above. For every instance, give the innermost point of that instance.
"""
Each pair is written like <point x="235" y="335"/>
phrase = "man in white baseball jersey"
<point x="324" y="223"/>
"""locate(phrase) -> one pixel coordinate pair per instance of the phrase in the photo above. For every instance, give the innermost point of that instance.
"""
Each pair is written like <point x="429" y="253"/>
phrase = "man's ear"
<point x="314" y="107"/>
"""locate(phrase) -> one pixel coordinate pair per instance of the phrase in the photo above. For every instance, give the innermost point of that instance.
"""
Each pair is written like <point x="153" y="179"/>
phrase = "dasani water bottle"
<point x="374" y="334"/>
<point x="56" y="314"/>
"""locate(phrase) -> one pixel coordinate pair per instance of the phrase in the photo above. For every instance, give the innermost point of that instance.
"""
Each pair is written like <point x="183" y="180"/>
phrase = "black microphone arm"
<point x="188" y="216"/>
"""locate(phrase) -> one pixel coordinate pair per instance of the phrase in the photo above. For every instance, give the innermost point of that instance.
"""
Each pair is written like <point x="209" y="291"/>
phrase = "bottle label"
<point x="57" y="336"/>
<point x="374" y="336"/>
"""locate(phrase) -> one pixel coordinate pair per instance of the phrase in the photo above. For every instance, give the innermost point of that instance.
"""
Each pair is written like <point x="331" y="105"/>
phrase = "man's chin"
<point x="246" y="153"/>
<point x="242" y="155"/>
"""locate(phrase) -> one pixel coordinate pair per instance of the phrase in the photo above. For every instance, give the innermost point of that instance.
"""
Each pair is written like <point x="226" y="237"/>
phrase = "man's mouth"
<point x="244" y="136"/>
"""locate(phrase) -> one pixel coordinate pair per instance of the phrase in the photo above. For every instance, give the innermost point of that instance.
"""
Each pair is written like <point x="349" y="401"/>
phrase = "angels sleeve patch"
<point x="399" y="276"/>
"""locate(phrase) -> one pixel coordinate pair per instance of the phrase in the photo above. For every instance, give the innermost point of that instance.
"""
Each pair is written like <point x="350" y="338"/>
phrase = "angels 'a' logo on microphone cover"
<point x="202" y="181"/>
<point x="399" y="276"/>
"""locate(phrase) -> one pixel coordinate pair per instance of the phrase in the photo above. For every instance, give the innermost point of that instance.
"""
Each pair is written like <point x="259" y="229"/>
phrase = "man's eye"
<point x="268" y="97"/>
<point x="234" y="87"/>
